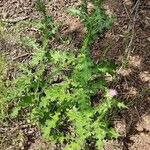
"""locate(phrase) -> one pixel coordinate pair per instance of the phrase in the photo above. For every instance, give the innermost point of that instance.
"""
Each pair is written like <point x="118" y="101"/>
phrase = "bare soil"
<point x="128" y="44"/>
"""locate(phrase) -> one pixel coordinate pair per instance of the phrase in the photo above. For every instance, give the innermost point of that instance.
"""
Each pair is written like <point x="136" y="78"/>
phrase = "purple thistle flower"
<point x="112" y="92"/>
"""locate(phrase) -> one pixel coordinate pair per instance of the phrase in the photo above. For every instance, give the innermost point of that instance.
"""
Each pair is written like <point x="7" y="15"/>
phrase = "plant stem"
<point x="86" y="43"/>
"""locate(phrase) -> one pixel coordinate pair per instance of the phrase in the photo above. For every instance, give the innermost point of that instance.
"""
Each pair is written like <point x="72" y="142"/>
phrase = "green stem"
<point x="86" y="43"/>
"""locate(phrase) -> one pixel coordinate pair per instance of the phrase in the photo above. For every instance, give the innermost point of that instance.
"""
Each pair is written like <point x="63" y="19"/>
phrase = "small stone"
<point x="148" y="39"/>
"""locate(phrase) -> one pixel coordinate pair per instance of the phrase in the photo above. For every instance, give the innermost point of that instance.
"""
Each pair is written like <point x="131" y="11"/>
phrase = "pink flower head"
<point x="112" y="92"/>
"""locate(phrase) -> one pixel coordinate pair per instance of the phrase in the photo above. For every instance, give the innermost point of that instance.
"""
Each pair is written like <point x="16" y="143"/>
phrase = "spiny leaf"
<point x="15" y="112"/>
<point x="121" y="105"/>
<point x="74" y="11"/>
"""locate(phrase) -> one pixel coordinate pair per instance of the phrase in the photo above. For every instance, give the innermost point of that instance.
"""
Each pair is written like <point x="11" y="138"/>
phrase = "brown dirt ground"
<point x="128" y="43"/>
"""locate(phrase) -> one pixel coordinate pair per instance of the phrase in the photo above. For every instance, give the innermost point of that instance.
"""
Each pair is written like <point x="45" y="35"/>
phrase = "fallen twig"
<point x="20" y="56"/>
<point x="135" y="6"/>
<point x="15" y="20"/>
<point x="127" y="12"/>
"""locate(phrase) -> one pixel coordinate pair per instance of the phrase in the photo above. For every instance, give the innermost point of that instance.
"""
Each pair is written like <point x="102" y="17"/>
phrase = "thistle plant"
<point x="57" y="87"/>
<point x="95" y="22"/>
